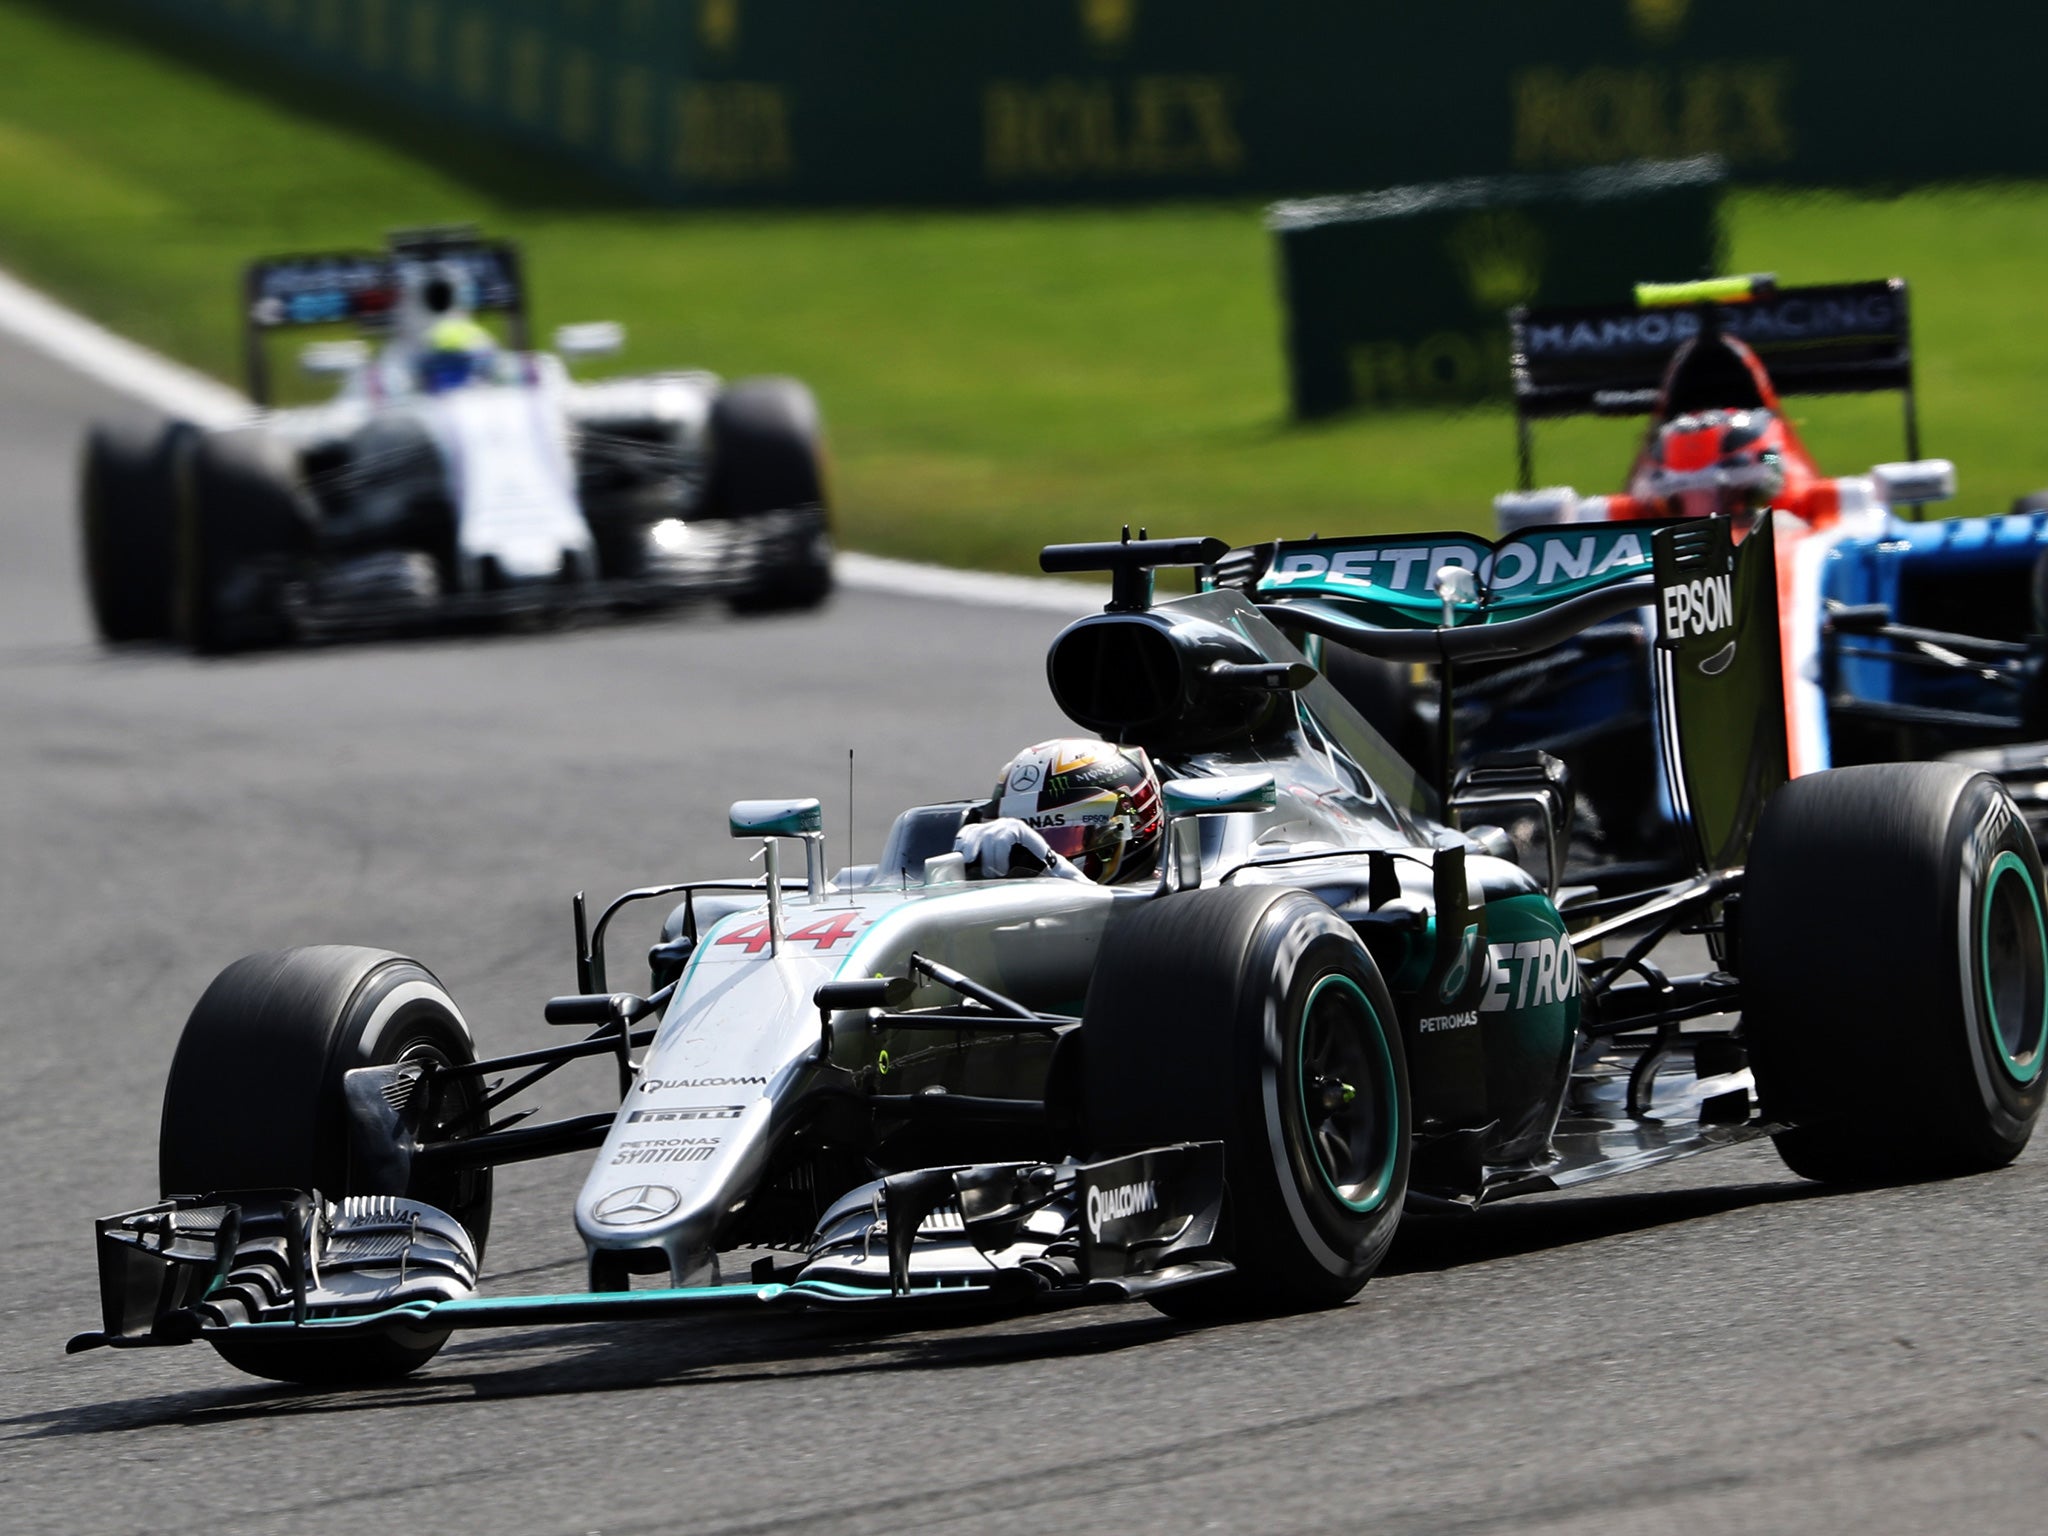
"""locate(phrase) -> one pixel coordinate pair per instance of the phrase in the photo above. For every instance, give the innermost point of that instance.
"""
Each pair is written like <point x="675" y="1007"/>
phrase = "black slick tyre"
<point x="255" y="1101"/>
<point x="245" y="526"/>
<point x="1254" y="1016"/>
<point x="768" y="470"/>
<point x="1894" y="966"/>
<point x="128" y="515"/>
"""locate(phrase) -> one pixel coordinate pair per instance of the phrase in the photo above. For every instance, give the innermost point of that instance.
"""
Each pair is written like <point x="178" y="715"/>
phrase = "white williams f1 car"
<point x="450" y="480"/>
<point x="1217" y="1083"/>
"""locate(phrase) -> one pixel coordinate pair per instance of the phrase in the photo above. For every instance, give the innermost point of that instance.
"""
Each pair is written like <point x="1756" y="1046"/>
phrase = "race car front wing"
<point x="270" y="1262"/>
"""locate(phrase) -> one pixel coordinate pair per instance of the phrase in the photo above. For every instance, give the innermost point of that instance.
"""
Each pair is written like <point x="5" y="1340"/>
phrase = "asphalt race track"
<point x="1715" y="1345"/>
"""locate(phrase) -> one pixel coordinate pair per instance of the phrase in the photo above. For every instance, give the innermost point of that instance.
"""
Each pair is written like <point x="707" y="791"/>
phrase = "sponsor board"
<point x="741" y="100"/>
<point x="1076" y="129"/>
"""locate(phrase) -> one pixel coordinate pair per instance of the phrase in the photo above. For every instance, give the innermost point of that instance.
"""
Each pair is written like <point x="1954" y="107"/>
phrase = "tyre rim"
<point x="1346" y="1089"/>
<point x="2013" y="954"/>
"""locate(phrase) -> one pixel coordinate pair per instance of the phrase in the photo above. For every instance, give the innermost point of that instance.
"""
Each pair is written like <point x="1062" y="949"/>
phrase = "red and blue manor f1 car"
<point x="1900" y="638"/>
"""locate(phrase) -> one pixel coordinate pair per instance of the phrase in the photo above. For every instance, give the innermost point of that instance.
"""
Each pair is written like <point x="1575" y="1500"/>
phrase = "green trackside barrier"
<point x="1400" y="298"/>
<point x="948" y="101"/>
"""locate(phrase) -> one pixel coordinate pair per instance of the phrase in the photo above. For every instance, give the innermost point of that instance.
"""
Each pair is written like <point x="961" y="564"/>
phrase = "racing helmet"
<point x="450" y="347"/>
<point x="1098" y="805"/>
<point x="1705" y="463"/>
<point x="457" y="350"/>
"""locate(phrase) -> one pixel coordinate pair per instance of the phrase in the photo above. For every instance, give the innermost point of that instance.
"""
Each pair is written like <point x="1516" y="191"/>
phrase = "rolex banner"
<point x="949" y="101"/>
<point x="1400" y="298"/>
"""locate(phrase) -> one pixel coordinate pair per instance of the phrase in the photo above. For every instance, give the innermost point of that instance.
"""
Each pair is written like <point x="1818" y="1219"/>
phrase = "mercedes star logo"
<point x="637" y="1205"/>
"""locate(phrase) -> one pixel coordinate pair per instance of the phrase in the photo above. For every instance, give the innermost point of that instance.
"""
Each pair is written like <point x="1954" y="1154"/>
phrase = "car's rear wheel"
<point x="127" y="509"/>
<point x="1254" y="1016"/>
<point x="245" y="524"/>
<point x="768" y="469"/>
<point x="255" y="1101"/>
<point x="1894" y="961"/>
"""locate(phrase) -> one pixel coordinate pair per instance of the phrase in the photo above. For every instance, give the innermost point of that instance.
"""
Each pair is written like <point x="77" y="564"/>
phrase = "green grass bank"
<point x="991" y="380"/>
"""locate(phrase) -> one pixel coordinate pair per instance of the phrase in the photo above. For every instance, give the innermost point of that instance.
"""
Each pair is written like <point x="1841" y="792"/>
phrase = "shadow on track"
<point x="427" y="632"/>
<point x="554" y="1362"/>
<point x="1427" y="1244"/>
<point x="591" y="1359"/>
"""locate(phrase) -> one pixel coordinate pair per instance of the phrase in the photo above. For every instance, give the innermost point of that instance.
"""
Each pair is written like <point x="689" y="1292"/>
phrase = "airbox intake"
<point x="1144" y="679"/>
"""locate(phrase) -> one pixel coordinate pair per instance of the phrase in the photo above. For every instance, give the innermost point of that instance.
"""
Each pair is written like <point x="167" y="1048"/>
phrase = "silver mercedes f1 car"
<point x="1342" y="995"/>
<point x="450" y="480"/>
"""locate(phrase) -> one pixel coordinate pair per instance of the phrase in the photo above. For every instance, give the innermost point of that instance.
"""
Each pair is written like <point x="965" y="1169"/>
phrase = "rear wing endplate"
<point x="1720" y="682"/>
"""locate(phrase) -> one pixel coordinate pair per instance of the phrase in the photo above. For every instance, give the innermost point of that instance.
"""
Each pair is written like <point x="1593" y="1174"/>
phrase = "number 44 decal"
<point x="820" y="935"/>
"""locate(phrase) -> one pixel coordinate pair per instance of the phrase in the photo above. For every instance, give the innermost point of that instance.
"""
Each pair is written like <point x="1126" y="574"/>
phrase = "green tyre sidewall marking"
<point x="2021" y="1066"/>
<point x="1381" y="1087"/>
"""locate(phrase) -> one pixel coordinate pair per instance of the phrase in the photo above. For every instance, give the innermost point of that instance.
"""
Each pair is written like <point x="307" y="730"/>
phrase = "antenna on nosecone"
<point x="849" y="808"/>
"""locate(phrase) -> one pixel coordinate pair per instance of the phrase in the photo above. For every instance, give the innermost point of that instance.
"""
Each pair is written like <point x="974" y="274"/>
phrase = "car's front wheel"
<point x="255" y="1101"/>
<point x="1254" y="1016"/>
<point x="245" y="524"/>
<point x="768" y="472"/>
<point x="128" y="513"/>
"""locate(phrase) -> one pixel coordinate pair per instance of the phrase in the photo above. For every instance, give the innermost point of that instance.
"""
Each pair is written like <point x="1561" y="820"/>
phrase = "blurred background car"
<point x="451" y="478"/>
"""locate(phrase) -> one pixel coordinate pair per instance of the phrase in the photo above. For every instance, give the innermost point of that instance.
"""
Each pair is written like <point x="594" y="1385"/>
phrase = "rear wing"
<point x="362" y="288"/>
<point x="1609" y="359"/>
<point x="1392" y="584"/>
<point x="1722" y="727"/>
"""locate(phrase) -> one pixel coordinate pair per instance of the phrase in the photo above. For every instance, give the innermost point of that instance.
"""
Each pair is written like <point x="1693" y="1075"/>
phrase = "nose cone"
<point x="735" y="1052"/>
<point x="678" y="1157"/>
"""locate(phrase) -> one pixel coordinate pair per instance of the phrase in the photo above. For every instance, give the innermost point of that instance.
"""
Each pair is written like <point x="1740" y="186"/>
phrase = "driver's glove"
<point x="996" y="850"/>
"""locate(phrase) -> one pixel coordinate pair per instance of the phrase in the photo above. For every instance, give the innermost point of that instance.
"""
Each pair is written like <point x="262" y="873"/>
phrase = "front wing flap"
<point x="280" y="1262"/>
<point x="322" y="602"/>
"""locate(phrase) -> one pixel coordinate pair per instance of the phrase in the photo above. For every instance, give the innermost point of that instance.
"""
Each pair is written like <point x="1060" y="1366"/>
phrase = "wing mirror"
<point x="1186" y="801"/>
<point x="771" y="821"/>
<point x="333" y="359"/>
<point x="592" y="338"/>
<point x="775" y="818"/>
<point x="1914" y="482"/>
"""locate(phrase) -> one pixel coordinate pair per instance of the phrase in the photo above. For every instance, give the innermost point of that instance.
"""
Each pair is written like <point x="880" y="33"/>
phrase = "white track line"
<point x="89" y="348"/>
<point x="131" y="369"/>
<point x="988" y="589"/>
